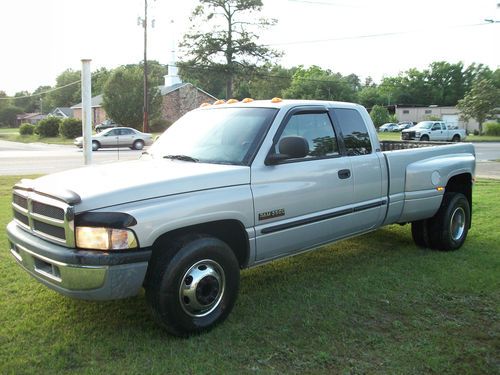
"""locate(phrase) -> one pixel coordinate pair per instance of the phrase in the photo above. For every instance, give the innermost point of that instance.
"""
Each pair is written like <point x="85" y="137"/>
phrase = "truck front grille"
<point x="44" y="216"/>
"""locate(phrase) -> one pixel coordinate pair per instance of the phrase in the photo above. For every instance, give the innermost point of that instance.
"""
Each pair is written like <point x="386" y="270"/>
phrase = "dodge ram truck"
<point x="228" y="187"/>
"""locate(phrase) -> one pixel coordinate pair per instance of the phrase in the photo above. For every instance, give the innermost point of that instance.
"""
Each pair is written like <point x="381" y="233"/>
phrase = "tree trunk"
<point x="229" y="86"/>
<point x="480" y="128"/>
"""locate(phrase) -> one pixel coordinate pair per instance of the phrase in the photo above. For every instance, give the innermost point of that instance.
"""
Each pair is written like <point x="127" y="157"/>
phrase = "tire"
<point x="456" y="138"/>
<point x="424" y="138"/>
<point x="449" y="227"/>
<point x="138" y="145"/>
<point x="192" y="284"/>
<point x="420" y="233"/>
<point x="95" y="145"/>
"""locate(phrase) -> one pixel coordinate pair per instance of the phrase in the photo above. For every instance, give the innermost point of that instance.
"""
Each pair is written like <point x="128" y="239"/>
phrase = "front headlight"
<point x="98" y="238"/>
<point x="417" y="134"/>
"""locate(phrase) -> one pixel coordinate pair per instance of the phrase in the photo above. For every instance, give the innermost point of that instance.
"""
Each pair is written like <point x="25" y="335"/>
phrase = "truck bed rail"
<point x="404" y="145"/>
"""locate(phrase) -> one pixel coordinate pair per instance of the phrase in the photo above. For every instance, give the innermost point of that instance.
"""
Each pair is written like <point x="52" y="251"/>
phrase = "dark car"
<point x="106" y="124"/>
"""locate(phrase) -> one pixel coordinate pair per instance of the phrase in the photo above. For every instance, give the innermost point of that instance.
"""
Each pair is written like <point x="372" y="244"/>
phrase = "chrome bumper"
<point x="89" y="275"/>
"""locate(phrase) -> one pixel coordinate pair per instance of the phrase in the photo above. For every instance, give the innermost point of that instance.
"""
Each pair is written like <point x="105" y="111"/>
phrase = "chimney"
<point x="172" y="77"/>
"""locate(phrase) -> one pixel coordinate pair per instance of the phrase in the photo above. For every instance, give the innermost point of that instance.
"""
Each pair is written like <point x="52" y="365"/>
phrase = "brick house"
<point x="29" y="118"/>
<point x="181" y="98"/>
<point x="98" y="113"/>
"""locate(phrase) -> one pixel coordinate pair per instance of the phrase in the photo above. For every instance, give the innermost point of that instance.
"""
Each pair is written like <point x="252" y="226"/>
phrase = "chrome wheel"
<point x="202" y="288"/>
<point x="457" y="223"/>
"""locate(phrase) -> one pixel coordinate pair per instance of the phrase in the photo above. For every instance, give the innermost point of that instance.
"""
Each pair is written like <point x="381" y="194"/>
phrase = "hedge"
<point x="27" y="129"/>
<point x="71" y="128"/>
<point x="48" y="127"/>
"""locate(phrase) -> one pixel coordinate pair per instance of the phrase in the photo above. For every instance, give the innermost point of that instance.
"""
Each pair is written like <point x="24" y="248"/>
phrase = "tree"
<point x="26" y="101"/>
<point x="316" y="83"/>
<point x="480" y="102"/>
<point x="270" y="81"/>
<point x="65" y="96"/>
<point x="8" y="115"/>
<point x="222" y="39"/>
<point x="123" y="97"/>
<point x="380" y="115"/>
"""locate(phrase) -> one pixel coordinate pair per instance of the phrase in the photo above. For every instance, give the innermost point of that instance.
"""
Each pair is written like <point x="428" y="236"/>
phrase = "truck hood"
<point x="116" y="183"/>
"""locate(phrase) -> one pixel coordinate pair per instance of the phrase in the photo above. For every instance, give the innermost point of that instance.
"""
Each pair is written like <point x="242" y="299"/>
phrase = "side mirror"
<point x="289" y="148"/>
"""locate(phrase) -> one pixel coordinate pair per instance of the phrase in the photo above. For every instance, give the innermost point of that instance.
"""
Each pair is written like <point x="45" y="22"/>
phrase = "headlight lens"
<point x="417" y="134"/>
<point x="105" y="238"/>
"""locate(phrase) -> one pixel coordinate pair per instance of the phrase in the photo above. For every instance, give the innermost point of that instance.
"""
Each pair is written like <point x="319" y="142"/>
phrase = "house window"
<point x="428" y="111"/>
<point x="406" y="111"/>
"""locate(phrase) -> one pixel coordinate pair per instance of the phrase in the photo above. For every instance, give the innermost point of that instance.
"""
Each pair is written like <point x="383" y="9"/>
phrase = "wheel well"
<point x="461" y="183"/>
<point x="231" y="232"/>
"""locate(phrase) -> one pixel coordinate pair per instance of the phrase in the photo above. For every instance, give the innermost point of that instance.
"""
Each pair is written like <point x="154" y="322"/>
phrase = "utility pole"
<point x="145" y="125"/>
<point x="86" y="111"/>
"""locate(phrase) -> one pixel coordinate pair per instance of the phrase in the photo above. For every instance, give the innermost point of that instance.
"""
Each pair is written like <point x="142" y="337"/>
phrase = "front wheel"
<point x="424" y="138"/>
<point x="192" y="283"/>
<point x="449" y="227"/>
<point x="138" y="145"/>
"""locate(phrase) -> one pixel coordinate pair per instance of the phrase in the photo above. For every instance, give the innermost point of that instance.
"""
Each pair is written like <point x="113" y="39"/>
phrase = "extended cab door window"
<point x="354" y="132"/>
<point x="316" y="129"/>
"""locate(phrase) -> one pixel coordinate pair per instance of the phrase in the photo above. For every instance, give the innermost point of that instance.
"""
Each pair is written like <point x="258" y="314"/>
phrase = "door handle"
<point x="344" y="173"/>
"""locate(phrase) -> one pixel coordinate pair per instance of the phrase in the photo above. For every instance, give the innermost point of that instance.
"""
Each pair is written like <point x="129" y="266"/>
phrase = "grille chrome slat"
<point x="44" y="216"/>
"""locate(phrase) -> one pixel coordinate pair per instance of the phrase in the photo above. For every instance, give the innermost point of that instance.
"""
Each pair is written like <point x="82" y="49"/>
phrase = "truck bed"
<point x="404" y="145"/>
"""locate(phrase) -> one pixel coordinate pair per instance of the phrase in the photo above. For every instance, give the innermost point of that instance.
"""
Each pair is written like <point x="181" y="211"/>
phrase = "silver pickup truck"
<point x="228" y="187"/>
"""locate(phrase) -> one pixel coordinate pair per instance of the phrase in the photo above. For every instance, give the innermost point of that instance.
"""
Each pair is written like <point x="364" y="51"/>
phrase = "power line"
<point x="366" y="36"/>
<point x="40" y="93"/>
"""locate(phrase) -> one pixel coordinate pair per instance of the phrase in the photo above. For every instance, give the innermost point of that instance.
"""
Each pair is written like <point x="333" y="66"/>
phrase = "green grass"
<point x="396" y="136"/>
<point x="14" y="136"/>
<point x="375" y="304"/>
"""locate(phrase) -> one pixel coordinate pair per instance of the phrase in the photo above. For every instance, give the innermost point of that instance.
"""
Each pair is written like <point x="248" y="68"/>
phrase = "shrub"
<point x="70" y="128"/>
<point x="475" y="132"/>
<point x="492" y="128"/>
<point x="159" y="125"/>
<point x="380" y="115"/>
<point x="27" y="129"/>
<point x="48" y="127"/>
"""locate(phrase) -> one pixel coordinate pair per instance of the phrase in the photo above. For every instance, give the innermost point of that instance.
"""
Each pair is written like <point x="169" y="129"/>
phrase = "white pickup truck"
<point x="229" y="187"/>
<point x="433" y="131"/>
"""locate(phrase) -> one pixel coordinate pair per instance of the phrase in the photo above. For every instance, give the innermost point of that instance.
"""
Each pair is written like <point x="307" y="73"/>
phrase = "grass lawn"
<point x="374" y="304"/>
<point x="13" y="135"/>
<point x="396" y="136"/>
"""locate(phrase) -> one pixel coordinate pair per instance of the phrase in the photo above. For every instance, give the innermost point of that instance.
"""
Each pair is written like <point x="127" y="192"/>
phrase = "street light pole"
<point x="145" y="127"/>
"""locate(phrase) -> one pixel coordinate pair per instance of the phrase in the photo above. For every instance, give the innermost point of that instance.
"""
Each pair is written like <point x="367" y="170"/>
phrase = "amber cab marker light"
<point x="205" y="105"/>
<point x="232" y="101"/>
<point x="247" y="100"/>
<point x="217" y="102"/>
<point x="440" y="188"/>
<point x="276" y="100"/>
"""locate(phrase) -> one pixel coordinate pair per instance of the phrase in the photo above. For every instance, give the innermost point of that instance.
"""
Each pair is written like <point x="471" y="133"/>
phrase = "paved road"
<point x="40" y="158"/>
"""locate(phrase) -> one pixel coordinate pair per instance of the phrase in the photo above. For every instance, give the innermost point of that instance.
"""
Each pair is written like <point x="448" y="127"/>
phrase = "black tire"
<point x="95" y="145"/>
<point x="192" y="283"/>
<point x="449" y="227"/>
<point x="424" y="138"/>
<point x="456" y="138"/>
<point x="420" y="233"/>
<point x="138" y="145"/>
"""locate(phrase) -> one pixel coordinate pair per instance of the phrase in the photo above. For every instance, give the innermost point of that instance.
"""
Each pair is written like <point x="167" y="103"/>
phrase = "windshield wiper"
<point x="181" y="157"/>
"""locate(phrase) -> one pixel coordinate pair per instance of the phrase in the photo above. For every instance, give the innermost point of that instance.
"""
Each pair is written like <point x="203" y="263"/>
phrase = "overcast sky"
<point x="40" y="39"/>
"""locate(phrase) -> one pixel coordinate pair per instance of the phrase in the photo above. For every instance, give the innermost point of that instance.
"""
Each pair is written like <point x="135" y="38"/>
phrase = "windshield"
<point x="424" y="125"/>
<point x="215" y="135"/>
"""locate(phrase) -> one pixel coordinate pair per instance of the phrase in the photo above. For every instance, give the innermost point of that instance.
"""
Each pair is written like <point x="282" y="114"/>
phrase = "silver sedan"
<point x="118" y="137"/>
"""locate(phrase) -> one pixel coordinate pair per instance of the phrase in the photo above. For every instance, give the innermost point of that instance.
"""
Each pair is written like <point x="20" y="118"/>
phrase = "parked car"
<point x="404" y="125"/>
<point x="118" y="137"/>
<point x="106" y="124"/>
<point x="389" y="127"/>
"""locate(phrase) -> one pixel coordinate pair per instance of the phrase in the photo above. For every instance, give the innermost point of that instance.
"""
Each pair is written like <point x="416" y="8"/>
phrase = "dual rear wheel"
<point x="447" y="230"/>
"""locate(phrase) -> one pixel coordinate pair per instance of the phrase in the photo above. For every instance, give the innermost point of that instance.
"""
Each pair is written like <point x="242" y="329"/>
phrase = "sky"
<point x="40" y="39"/>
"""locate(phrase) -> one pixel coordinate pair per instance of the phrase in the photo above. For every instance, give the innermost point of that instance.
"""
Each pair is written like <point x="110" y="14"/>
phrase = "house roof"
<point x="95" y="101"/>
<point x="25" y="116"/>
<point x="66" y="111"/>
<point x="165" y="90"/>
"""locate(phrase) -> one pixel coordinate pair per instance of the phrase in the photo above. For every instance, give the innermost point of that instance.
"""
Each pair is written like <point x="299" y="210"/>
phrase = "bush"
<point x="48" y="127"/>
<point x="27" y="129"/>
<point x="159" y="125"/>
<point x="70" y="128"/>
<point x="492" y="128"/>
<point x="380" y="115"/>
<point x="475" y="132"/>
